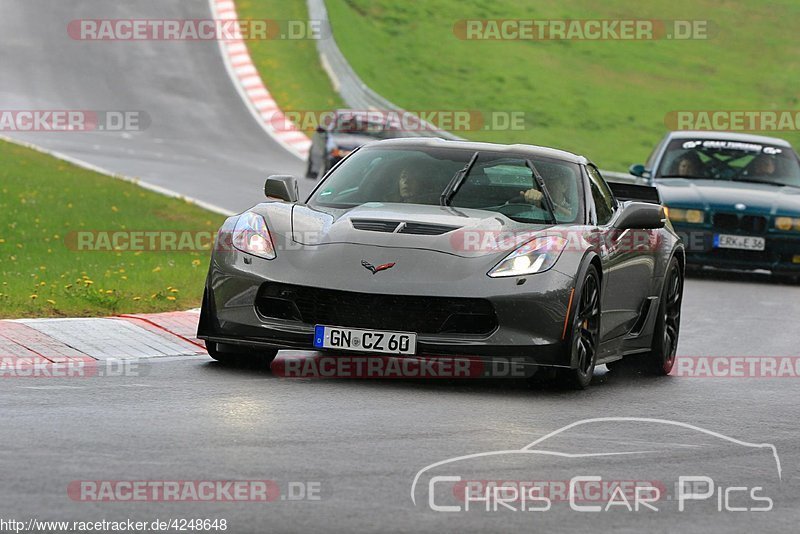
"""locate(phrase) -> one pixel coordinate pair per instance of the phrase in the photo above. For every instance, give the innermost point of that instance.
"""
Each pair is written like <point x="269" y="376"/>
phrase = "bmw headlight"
<point x="787" y="224"/>
<point x="251" y="235"/>
<point x="685" y="216"/>
<point x="535" y="256"/>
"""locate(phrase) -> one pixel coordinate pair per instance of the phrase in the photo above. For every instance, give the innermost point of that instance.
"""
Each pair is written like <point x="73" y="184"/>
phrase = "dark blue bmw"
<point x="734" y="198"/>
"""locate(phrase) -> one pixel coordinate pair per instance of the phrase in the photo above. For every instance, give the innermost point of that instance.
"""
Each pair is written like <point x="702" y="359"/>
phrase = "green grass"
<point x="44" y="201"/>
<point x="291" y="69"/>
<point x="607" y="100"/>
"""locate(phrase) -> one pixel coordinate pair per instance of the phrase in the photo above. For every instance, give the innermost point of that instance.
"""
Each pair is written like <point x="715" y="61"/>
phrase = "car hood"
<point x="455" y="231"/>
<point x="725" y="195"/>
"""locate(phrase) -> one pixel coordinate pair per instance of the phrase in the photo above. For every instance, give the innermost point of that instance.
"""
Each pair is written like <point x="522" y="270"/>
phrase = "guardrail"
<point x="357" y="94"/>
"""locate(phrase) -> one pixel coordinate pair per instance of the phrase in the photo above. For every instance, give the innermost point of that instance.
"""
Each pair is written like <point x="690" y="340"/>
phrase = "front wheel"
<point x="661" y="358"/>
<point x="236" y="356"/>
<point x="585" y="333"/>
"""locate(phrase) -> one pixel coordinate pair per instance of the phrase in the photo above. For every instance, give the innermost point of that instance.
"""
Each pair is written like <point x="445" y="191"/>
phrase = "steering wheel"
<point x="720" y="170"/>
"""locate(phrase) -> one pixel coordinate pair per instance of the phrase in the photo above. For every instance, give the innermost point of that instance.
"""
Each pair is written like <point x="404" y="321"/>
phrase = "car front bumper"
<point x="530" y="316"/>
<point x="781" y="254"/>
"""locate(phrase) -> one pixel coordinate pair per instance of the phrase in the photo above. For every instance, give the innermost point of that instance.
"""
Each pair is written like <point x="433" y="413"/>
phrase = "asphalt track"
<point x="362" y="441"/>
<point x="201" y="142"/>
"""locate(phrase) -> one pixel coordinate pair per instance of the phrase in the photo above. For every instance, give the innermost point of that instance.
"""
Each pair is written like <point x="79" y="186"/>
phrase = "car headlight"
<point x="787" y="224"/>
<point x="252" y="236"/>
<point x="686" y="216"/>
<point x="535" y="256"/>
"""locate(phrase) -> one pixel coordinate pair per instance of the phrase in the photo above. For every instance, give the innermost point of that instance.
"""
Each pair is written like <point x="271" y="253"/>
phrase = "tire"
<point x="584" y="334"/>
<point x="234" y="356"/>
<point x="661" y="358"/>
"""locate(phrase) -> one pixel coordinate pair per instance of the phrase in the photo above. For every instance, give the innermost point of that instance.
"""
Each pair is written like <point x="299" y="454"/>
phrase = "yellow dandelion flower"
<point x="170" y="298"/>
<point x="157" y="269"/>
<point x="137" y="298"/>
<point x="173" y="290"/>
<point x="34" y="297"/>
<point x="109" y="291"/>
<point x="51" y="302"/>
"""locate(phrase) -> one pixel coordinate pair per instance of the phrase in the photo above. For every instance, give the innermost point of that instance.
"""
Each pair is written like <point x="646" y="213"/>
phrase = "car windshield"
<point x="730" y="160"/>
<point x="421" y="175"/>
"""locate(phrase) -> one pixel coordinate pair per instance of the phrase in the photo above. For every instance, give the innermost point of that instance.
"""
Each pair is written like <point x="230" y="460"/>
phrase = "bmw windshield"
<point x="730" y="160"/>
<point x="503" y="183"/>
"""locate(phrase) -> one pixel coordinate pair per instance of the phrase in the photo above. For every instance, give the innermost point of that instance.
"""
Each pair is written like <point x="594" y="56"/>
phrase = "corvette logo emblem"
<point x="368" y="266"/>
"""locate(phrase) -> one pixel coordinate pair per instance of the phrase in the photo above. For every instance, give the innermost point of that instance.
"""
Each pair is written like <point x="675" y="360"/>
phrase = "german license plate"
<point x="741" y="242"/>
<point x="380" y="341"/>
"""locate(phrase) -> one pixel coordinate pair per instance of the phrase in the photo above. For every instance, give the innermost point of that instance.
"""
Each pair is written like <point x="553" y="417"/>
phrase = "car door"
<point x="628" y="261"/>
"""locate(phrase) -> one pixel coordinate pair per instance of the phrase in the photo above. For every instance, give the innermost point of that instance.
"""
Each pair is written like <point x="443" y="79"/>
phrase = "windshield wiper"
<point x="458" y="179"/>
<point x="548" y="201"/>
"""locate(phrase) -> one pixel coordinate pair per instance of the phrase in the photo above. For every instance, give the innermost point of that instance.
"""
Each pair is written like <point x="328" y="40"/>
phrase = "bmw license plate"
<point x="334" y="337"/>
<point x="741" y="242"/>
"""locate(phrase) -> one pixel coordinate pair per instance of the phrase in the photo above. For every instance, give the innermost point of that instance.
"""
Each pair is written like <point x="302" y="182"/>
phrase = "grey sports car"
<point x="415" y="247"/>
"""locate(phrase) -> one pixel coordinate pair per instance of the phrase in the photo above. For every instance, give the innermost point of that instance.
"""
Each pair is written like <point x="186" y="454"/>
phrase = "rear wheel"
<point x="585" y="333"/>
<point x="661" y="358"/>
<point x="237" y="356"/>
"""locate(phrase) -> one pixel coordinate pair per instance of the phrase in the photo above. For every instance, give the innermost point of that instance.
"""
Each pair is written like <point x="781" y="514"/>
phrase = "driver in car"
<point x="763" y="166"/>
<point x="412" y="188"/>
<point x="558" y="186"/>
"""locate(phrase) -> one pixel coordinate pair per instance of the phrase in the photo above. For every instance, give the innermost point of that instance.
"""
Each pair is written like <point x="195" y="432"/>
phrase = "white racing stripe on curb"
<point x="249" y="86"/>
<point x="110" y="338"/>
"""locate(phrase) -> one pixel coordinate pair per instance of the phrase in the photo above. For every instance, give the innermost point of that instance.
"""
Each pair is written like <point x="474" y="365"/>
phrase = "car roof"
<point x="729" y="136"/>
<point x="518" y="149"/>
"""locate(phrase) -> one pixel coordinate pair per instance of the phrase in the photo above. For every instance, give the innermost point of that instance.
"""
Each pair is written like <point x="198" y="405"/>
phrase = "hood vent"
<point x="400" y="227"/>
<point x="375" y="225"/>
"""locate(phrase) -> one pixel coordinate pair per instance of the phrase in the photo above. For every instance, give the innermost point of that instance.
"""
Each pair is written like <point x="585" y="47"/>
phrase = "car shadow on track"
<point x="537" y="385"/>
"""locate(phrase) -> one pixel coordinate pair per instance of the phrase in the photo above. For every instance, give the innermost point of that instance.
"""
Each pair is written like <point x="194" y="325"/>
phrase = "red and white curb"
<point x="252" y="89"/>
<point x="122" y="337"/>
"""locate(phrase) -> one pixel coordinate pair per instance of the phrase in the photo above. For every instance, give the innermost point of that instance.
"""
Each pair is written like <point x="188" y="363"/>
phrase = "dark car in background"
<point x="734" y="198"/>
<point x="345" y="131"/>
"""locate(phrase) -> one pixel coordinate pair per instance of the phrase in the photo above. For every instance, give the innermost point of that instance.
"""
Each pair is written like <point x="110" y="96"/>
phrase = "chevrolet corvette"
<point x="418" y="247"/>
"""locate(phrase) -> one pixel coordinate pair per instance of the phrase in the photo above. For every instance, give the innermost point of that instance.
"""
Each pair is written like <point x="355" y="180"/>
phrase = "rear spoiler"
<point x="639" y="193"/>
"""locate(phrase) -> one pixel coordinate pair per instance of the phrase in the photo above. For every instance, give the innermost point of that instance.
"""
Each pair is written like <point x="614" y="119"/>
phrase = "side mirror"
<point x="640" y="216"/>
<point x="320" y="129"/>
<point x="638" y="170"/>
<point x="282" y="186"/>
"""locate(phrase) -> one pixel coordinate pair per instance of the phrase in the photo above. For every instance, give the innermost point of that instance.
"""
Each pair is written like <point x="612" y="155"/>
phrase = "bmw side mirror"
<point x="640" y="216"/>
<point x="638" y="170"/>
<point x="282" y="187"/>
